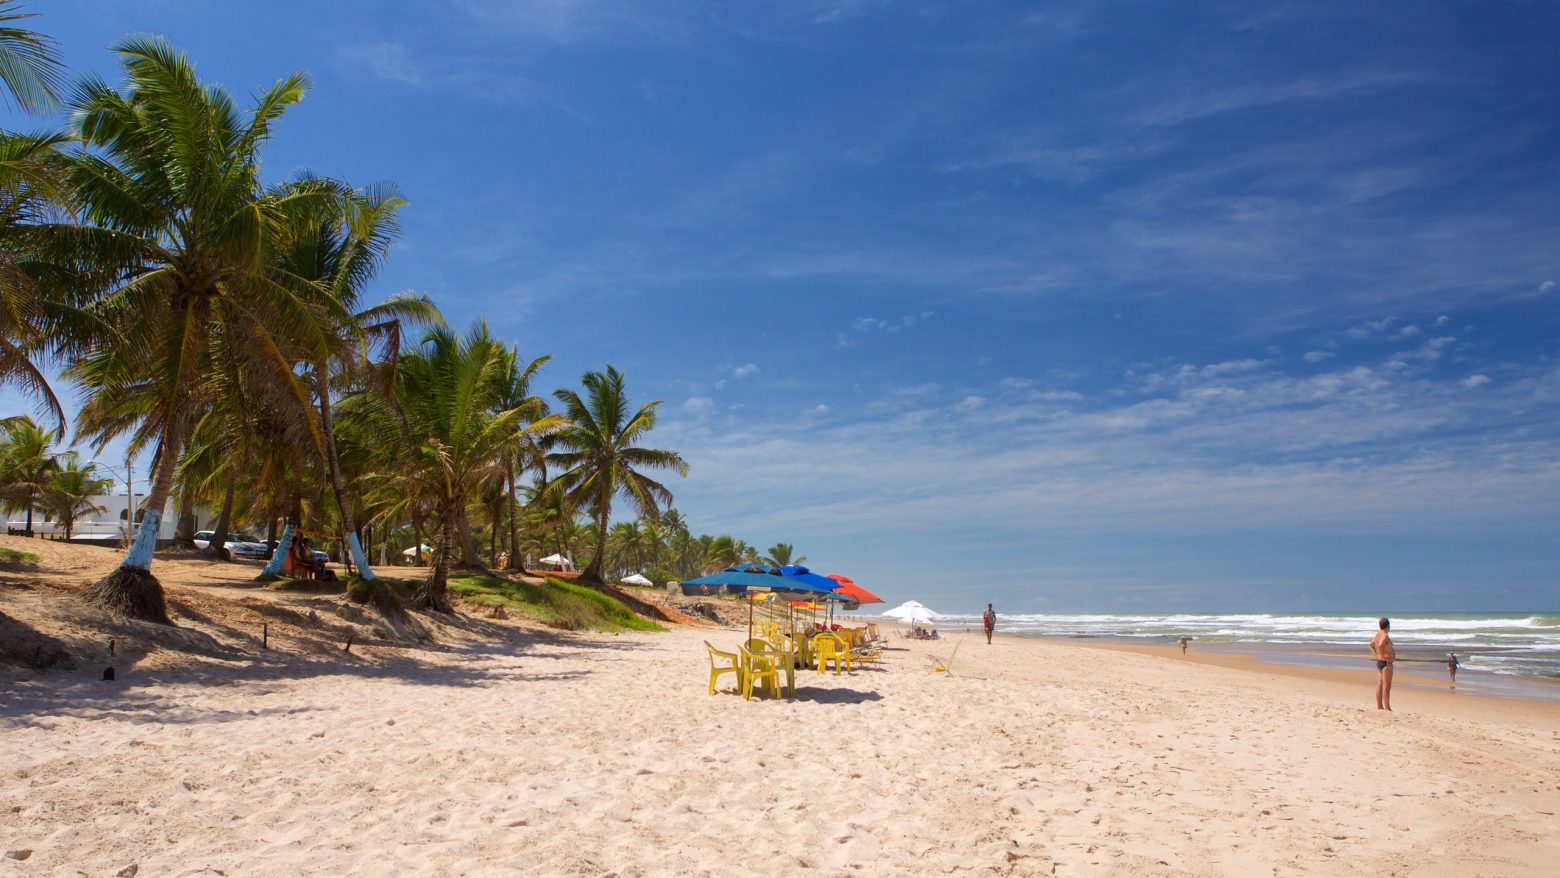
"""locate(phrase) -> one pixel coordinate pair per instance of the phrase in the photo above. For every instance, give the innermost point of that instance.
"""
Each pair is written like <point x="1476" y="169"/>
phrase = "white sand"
<point x="604" y="756"/>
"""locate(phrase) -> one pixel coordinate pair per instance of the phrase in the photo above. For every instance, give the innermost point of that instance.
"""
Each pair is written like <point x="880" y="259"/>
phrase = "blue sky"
<point x="1072" y="307"/>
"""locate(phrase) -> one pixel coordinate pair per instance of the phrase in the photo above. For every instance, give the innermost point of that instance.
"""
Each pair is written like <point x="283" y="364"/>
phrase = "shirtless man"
<point x="1385" y="655"/>
<point x="989" y="620"/>
<point x="1451" y="667"/>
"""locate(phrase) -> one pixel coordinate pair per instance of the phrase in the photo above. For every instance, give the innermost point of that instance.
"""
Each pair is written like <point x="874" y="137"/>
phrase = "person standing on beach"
<point x="1183" y="644"/>
<point x="1451" y="668"/>
<point x="989" y="618"/>
<point x="1381" y="648"/>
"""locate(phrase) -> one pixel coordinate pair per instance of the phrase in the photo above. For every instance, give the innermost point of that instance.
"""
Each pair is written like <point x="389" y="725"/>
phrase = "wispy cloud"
<point x="1307" y="88"/>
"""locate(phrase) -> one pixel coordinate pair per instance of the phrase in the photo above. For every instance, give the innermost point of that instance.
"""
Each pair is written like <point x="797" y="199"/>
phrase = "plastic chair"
<point x="760" y="668"/>
<point x="716" y="670"/>
<point x="827" y="648"/>
<point x="783" y="652"/>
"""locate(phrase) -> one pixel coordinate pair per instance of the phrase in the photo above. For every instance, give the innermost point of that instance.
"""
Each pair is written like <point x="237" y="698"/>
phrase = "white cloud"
<point x="1409" y="331"/>
<point x="970" y="403"/>
<point x="745" y="370"/>
<point x="1442" y="320"/>
<point x="1318" y="356"/>
<point x="698" y="404"/>
<point x="1546" y="286"/>
<point x="1476" y="381"/>
<point x="386" y="61"/>
<point x="1369" y="328"/>
<point x="820" y="409"/>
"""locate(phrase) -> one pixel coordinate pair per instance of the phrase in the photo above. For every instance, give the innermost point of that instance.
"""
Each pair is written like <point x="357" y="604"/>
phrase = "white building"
<point x="107" y="526"/>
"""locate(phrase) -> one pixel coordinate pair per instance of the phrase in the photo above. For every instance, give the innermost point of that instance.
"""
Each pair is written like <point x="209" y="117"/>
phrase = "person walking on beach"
<point x="1451" y="668"/>
<point x="1381" y="649"/>
<point x="989" y="619"/>
<point x="1183" y="644"/>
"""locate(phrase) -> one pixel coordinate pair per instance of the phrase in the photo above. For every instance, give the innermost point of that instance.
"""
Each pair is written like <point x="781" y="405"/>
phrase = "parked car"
<point x="240" y="545"/>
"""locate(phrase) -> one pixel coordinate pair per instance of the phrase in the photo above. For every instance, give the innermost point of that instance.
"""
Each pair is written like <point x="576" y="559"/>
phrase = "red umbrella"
<point x="851" y="591"/>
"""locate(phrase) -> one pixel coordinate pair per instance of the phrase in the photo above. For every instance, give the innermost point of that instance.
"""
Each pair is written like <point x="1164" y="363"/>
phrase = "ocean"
<point x="1504" y="648"/>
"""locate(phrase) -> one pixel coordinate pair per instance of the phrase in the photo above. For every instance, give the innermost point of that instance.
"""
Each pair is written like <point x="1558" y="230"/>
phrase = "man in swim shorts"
<point x="989" y="618"/>
<point x="1451" y="668"/>
<point x="1381" y="649"/>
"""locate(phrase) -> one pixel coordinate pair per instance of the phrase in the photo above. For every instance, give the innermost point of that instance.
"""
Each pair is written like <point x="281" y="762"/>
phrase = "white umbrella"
<point x="636" y="579"/>
<point x="913" y="612"/>
<point x="558" y="560"/>
<point x="413" y="550"/>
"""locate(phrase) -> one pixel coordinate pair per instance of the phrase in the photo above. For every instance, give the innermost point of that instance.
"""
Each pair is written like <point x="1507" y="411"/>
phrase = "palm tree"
<point x="528" y="447"/>
<point x="780" y="555"/>
<point x="336" y="250"/>
<point x="600" y="458"/>
<point x="27" y="465"/>
<point x="169" y="189"/>
<point x="442" y="437"/>
<point x="71" y="491"/>
<point x="30" y="67"/>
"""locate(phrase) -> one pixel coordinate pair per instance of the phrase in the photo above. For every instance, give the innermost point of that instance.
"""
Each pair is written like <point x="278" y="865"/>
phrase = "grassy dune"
<point x="558" y="604"/>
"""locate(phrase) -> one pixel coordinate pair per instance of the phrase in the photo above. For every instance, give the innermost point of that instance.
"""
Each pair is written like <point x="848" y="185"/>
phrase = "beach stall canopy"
<point x="413" y="550"/>
<point x="636" y="579"/>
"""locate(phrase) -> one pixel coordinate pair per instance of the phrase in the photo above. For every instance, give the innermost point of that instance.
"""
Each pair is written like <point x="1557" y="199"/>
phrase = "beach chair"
<point x="827" y="648"/>
<point x="945" y="665"/>
<point x="781" y="649"/>
<point x="763" y="669"/>
<point x="716" y="670"/>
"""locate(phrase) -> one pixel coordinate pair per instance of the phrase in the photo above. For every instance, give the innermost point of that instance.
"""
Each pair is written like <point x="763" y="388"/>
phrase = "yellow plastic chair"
<point x="827" y="648"/>
<point x="716" y="670"/>
<point x="759" y="668"/>
<point x="788" y="662"/>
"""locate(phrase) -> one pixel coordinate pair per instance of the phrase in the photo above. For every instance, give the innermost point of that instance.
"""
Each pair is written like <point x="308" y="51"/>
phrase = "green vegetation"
<point x="217" y="322"/>
<point x="558" y="604"/>
<point x="13" y="558"/>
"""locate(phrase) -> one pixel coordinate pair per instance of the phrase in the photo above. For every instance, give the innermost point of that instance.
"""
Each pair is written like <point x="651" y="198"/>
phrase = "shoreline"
<point x="1410" y="691"/>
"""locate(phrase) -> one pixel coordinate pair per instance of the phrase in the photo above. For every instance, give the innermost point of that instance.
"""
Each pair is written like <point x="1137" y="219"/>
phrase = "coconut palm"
<point x="71" y="490"/>
<point x="783" y="555"/>
<point x="173" y="209"/>
<point x="30" y="69"/>
<point x="333" y="252"/>
<point x="27" y="465"/>
<point x="600" y="457"/>
<point x="441" y="436"/>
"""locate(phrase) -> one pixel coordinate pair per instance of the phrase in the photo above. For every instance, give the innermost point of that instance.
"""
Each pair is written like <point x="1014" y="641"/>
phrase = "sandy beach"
<point x="554" y="754"/>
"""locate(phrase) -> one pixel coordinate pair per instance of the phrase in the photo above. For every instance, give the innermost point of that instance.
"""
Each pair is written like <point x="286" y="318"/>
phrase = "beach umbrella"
<point x="913" y="612"/>
<point x="849" y="589"/>
<point x="559" y="560"/>
<point x="636" y="579"/>
<point x="412" y="552"/>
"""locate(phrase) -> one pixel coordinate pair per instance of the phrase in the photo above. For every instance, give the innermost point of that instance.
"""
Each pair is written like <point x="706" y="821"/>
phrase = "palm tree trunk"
<point x="185" y="534"/>
<point x="434" y="593"/>
<point x="132" y="589"/>
<point x="593" y="572"/>
<point x="468" y="545"/>
<point x="275" y="568"/>
<point x="218" y="545"/>
<point x="514" y="537"/>
<point x="29" y="516"/>
<point x="328" y="428"/>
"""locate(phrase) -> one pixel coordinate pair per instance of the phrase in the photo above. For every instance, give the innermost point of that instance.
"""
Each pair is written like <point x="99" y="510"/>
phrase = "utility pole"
<point x="130" y="490"/>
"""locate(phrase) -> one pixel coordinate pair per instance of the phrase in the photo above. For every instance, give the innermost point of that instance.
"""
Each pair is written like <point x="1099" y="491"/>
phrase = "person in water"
<point x="1451" y="668"/>
<point x="1381" y="649"/>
